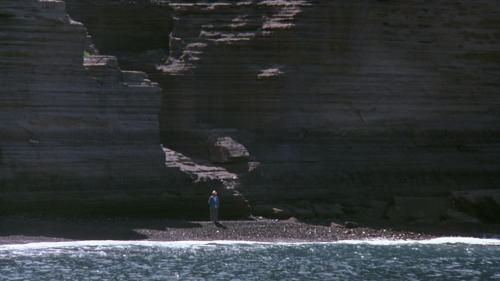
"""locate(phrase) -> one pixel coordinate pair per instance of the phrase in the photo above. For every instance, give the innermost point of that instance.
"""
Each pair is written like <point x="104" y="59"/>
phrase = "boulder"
<point x="303" y="210"/>
<point x="304" y="214"/>
<point x="226" y="150"/>
<point x="304" y="204"/>
<point x="351" y="224"/>
<point x="419" y="208"/>
<point x="333" y="224"/>
<point x="482" y="204"/>
<point x="328" y="211"/>
<point x="292" y="220"/>
<point x="460" y="217"/>
<point x="395" y="213"/>
<point x="371" y="209"/>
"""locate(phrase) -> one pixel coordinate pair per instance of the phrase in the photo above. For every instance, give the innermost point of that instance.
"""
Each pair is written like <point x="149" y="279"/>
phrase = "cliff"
<point x="69" y="126"/>
<point x="337" y="101"/>
<point x="78" y="134"/>
<point x="281" y="101"/>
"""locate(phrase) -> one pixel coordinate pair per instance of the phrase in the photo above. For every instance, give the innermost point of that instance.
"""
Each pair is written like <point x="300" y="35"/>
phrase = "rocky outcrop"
<point x="339" y="101"/>
<point x="72" y="129"/>
<point x="226" y="150"/>
<point x="482" y="204"/>
<point x="205" y="176"/>
<point x="457" y="216"/>
<point x="122" y="27"/>
<point x="136" y="32"/>
<point x="78" y="134"/>
<point x="420" y="209"/>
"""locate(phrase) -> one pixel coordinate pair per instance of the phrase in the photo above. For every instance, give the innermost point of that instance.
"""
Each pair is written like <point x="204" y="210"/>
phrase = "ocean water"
<point x="437" y="259"/>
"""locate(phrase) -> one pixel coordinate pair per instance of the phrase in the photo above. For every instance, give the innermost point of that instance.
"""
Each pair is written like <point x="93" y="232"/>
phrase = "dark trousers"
<point x="213" y="214"/>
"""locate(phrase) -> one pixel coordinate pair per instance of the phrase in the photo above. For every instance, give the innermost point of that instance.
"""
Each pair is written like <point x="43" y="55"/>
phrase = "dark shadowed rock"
<point x="370" y="209"/>
<point x="328" y="211"/>
<point x="482" y="204"/>
<point x="351" y="224"/>
<point x="423" y="209"/>
<point x="460" y="217"/>
<point x="303" y="214"/>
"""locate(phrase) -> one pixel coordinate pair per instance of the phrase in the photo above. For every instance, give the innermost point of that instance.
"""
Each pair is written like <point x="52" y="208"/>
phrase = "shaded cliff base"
<point x="32" y="228"/>
<point x="464" y="213"/>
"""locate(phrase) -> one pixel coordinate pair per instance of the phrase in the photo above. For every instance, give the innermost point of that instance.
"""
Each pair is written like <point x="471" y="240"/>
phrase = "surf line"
<point x="183" y="244"/>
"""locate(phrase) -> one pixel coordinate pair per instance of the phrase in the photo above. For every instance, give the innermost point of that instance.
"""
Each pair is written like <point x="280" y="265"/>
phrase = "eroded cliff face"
<point x="328" y="101"/>
<point x="69" y="126"/>
<point x="78" y="134"/>
<point x="339" y="101"/>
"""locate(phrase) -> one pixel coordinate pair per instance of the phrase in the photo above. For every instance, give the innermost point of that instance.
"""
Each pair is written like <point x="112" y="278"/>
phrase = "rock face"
<point x="339" y="101"/>
<point x="70" y="126"/>
<point x="78" y="134"/>
<point x="420" y="209"/>
<point x="482" y="204"/>
<point x="324" y="101"/>
<point x="225" y="149"/>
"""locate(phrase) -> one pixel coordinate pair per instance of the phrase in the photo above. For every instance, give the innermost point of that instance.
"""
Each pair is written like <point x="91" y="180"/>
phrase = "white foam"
<point x="435" y="241"/>
<point x="174" y="244"/>
<point x="182" y="244"/>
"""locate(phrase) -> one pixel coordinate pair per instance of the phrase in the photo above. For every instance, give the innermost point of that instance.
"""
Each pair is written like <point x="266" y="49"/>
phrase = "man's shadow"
<point x="218" y="224"/>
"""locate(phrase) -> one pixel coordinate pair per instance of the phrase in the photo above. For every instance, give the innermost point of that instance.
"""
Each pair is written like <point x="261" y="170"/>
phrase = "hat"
<point x="214" y="192"/>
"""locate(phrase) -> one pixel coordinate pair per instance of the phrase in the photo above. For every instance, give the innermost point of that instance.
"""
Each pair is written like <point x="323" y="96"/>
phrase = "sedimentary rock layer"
<point x="329" y="101"/>
<point x="339" y="100"/>
<point x="69" y="126"/>
<point x="77" y="133"/>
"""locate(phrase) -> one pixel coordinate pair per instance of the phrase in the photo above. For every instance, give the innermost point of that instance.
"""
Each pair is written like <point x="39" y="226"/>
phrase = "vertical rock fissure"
<point x="143" y="48"/>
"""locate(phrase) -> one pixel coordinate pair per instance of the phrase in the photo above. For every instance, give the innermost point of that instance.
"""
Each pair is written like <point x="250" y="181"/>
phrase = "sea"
<point x="437" y="259"/>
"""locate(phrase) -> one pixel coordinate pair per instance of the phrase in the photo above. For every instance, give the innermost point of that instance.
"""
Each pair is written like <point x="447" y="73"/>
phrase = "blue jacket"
<point x="213" y="201"/>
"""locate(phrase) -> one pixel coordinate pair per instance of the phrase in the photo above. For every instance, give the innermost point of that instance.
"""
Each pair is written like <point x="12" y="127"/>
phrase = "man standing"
<point x="213" y="201"/>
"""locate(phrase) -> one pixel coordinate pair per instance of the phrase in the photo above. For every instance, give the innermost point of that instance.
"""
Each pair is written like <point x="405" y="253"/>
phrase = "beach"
<point x="32" y="228"/>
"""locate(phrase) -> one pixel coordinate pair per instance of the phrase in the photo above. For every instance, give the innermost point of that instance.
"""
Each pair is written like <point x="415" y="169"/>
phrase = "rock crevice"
<point x="78" y="134"/>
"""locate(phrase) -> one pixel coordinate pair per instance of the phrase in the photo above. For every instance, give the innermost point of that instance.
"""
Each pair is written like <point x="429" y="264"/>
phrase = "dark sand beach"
<point x="22" y="228"/>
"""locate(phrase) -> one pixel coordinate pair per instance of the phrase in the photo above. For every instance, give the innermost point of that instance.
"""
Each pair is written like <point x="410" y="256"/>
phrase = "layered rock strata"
<point x="339" y="101"/>
<point x="328" y="101"/>
<point x="121" y="27"/>
<point x="72" y="131"/>
<point x="77" y="133"/>
<point x="136" y="32"/>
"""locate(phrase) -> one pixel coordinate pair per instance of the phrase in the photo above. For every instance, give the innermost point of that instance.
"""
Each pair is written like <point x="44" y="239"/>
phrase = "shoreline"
<point x="182" y="243"/>
<point x="23" y="229"/>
